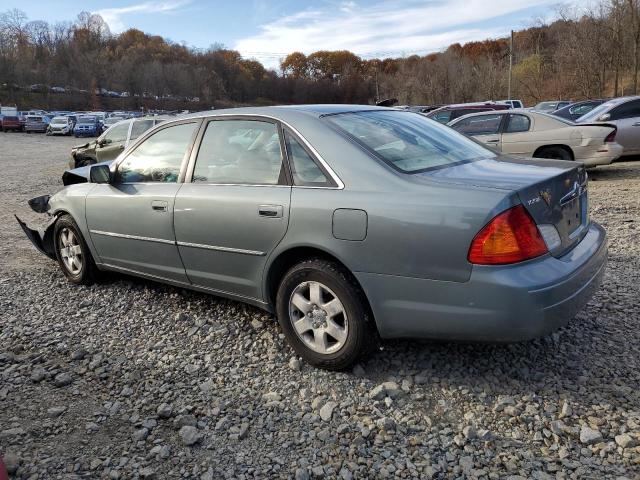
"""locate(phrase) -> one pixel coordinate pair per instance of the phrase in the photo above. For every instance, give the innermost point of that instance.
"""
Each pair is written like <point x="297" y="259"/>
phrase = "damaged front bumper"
<point x="42" y="240"/>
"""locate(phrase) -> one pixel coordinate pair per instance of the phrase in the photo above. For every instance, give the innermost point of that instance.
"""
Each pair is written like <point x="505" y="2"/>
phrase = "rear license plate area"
<point x="572" y="214"/>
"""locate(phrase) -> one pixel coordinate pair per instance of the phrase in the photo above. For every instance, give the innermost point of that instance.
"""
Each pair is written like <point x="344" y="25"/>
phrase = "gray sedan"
<point x="350" y="223"/>
<point x="624" y="113"/>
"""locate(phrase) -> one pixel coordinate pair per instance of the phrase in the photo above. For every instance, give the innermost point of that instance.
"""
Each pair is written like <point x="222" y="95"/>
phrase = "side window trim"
<point x="331" y="183"/>
<point x="153" y="131"/>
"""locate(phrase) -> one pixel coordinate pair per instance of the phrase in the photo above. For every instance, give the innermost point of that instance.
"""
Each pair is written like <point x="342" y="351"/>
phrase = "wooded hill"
<point x="591" y="53"/>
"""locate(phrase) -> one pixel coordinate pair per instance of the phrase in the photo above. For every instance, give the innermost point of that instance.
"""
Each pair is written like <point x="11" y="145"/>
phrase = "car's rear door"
<point x="233" y="209"/>
<point x="131" y="219"/>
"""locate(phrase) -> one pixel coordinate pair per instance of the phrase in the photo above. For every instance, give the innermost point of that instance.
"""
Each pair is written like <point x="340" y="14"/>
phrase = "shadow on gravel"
<point x="628" y="168"/>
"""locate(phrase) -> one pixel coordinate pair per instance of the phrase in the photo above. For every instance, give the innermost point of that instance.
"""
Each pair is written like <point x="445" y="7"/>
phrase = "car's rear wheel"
<point x="324" y="314"/>
<point x="74" y="257"/>
<point x="556" y="153"/>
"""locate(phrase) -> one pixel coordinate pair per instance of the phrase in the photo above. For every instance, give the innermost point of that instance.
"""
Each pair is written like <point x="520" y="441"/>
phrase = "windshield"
<point x="59" y="120"/>
<point x="596" y="112"/>
<point x="407" y="141"/>
<point x="87" y="120"/>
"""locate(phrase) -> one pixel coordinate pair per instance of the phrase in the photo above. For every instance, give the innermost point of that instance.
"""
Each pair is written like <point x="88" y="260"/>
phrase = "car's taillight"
<point x="611" y="137"/>
<point x="512" y="236"/>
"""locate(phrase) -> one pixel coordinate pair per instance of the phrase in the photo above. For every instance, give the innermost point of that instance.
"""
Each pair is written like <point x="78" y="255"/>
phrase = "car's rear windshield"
<point x="13" y="119"/>
<point x="87" y="120"/>
<point x="408" y="142"/>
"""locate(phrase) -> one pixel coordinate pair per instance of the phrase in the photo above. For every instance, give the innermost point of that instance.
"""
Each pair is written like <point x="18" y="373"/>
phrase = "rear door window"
<point x="244" y="152"/>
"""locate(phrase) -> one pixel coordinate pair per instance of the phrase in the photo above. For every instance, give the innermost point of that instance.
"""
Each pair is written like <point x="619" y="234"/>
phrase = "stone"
<point x="62" y="380"/>
<point x="164" y="410"/>
<point x="271" y="397"/>
<point x="590" y="436"/>
<point x="294" y="364"/>
<point x="12" y="462"/>
<point x="326" y="412"/>
<point x="625" y="440"/>
<point x="386" y="389"/>
<point x="190" y="435"/>
<point x="55" y="412"/>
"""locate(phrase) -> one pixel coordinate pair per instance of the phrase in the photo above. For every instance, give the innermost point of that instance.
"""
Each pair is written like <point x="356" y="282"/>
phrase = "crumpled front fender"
<point x="42" y="240"/>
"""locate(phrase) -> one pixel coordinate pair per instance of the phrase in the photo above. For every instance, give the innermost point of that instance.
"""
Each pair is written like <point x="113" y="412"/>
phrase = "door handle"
<point x="637" y="124"/>
<point x="159" y="205"/>
<point x="271" y="211"/>
<point x="495" y="140"/>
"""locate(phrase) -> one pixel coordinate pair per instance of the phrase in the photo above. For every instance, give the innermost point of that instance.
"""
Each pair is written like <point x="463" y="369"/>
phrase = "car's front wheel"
<point x="73" y="255"/>
<point x="324" y="314"/>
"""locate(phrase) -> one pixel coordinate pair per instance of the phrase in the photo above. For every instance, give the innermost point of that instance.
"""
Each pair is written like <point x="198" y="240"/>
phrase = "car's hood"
<point x="84" y="145"/>
<point x="80" y="174"/>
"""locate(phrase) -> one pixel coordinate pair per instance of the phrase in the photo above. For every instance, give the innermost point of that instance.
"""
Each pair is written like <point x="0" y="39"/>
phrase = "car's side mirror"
<point x="102" y="142"/>
<point x="604" y="117"/>
<point x="100" y="174"/>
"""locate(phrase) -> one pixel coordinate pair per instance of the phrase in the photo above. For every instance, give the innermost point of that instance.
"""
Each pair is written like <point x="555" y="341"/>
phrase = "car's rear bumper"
<point x="604" y="155"/>
<point x="497" y="304"/>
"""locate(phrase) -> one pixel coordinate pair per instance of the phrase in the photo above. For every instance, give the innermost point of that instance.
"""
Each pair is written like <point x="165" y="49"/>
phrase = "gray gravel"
<point x="131" y="379"/>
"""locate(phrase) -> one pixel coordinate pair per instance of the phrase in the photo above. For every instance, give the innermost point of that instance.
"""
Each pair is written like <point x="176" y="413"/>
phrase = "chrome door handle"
<point x="159" y="205"/>
<point x="271" y="211"/>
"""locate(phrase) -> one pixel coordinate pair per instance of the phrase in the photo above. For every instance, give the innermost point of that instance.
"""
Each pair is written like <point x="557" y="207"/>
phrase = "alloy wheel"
<point x="318" y="317"/>
<point x="71" y="251"/>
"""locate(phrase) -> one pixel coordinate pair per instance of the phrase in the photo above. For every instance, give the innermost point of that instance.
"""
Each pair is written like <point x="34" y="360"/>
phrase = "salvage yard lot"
<point x="134" y="379"/>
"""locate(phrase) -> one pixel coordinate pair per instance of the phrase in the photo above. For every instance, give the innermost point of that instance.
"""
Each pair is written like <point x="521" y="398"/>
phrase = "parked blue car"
<point x="87" y="127"/>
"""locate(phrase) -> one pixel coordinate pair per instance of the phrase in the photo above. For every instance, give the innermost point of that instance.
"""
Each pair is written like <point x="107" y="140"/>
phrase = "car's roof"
<point x="284" y="112"/>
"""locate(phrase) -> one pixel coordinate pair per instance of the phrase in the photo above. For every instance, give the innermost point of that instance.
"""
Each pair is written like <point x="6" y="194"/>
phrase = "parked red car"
<point x="3" y="471"/>
<point x="10" y="122"/>
<point x="449" y="112"/>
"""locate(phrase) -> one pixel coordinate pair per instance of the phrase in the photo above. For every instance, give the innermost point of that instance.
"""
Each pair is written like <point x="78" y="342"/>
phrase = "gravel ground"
<point x="131" y="379"/>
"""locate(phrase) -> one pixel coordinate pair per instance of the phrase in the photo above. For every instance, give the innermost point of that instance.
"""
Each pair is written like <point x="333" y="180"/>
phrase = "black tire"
<point x="88" y="273"/>
<point x="556" y="153"/>
<point x="361" y="334"/>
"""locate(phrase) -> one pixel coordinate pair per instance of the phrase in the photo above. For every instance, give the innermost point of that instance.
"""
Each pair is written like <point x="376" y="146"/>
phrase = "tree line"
<point x="585" y="53"/>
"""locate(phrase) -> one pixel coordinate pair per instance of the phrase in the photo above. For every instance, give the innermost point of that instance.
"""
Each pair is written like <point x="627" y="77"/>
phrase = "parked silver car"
<point x="624" y="113"/>
<point x="348" y="222"/>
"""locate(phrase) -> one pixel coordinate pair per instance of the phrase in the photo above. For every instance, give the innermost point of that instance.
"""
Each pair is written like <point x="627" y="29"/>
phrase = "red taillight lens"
<point x="510" y="237"/>
<point x="611" y="137"/>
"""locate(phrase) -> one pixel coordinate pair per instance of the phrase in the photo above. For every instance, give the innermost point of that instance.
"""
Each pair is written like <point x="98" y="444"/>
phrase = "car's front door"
<point x="627" y="118"/>
<point x="233" y="209"/>
<point x="111" y="143"/>
<point x="131" y="219"/>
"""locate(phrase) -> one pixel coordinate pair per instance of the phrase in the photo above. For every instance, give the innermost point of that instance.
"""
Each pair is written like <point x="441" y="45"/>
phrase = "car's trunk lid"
<point x="554" y="192"/>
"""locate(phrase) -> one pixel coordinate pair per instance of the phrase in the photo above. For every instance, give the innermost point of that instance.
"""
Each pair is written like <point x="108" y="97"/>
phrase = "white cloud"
<point x="387" y="28"/>
<point x="114" y="16"/>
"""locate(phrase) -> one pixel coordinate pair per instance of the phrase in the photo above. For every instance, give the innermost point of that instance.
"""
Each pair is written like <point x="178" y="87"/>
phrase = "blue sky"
<point x="268" y="30"/>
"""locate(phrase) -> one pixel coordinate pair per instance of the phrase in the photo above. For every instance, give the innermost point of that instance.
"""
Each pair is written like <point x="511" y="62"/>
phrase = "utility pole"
<point x="510" y="64"/>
